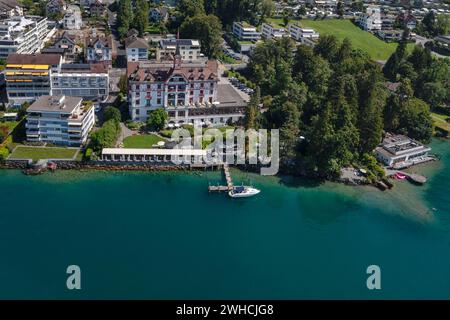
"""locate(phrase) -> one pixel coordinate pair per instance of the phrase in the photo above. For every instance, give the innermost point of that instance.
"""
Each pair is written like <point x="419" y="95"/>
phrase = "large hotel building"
<point x="188" y="91"/>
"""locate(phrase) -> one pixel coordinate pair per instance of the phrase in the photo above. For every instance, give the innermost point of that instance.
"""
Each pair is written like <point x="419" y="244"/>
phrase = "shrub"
<point x="4" y="152"/>
<point x="88" y="154"/>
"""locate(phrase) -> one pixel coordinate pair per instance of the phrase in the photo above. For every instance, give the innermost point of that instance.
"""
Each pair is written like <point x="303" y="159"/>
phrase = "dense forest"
<point x="332" y="103"/>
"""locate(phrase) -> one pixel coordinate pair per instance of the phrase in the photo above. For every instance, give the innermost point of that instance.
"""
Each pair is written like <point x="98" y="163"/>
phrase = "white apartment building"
<point x="22" y="34"/>
<point x="89" y="81"/>
<point x="245" y="32"/>
<point x="371" y="20"/>
<point x="72" y="19"/>
<point x="271" y="31"/>
<point x="60" y="120"/>
<point x="302" y="34"/>
<point x="189" y="49"/>
<point x="137" y="49"/>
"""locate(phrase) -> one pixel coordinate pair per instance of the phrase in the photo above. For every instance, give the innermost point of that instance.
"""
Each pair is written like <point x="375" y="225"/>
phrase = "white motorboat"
<point x="243" y="192"/>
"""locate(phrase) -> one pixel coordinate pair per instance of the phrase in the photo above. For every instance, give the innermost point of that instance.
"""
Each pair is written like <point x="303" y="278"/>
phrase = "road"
<point x="422" y="40"/>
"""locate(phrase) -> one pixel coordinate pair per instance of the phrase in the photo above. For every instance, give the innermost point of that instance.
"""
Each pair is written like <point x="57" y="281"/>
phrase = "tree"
<point x="140" y="21"/>
<point x="157" y="119"/>
<point x="124" y="17"/>
<point x="22" y="112"/>
<point x="112" y="113"/>
<point x="123" y="84"/>
<point x="206" y="28"/>
<point x="252" y="113"/>
<point x="391" y="67"/>
<point x="340" y="9"/>
<point x="191" y="8"/>
<point x="106" y="136"/>
<point x="286" y="18"/>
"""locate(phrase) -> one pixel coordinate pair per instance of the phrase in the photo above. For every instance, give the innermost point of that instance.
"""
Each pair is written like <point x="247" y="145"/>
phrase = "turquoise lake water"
<point x="163" y="236"/>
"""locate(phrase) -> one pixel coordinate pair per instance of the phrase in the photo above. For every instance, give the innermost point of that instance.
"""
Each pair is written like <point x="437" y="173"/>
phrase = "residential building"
<point x="302" y="34"/>
<point x="72" y="19"/>
<point x="99" y="49"/>
<point x="19" y="34"/>
<point x="160" y="14"/>
<point x="60" y="120"/>
<point x="10" y="8"/>
<point x="67" y="42"/>
<point x="371" y="20"/>
<point x="137" y="49"/>
<point x="272" y="31"/>
<point x="245" y="32"/>
<point x="89" y="81"/>
<point x="31" y="76"/>
<point x="390" y="35"/>
<point x="189" y="49"/>
<point x="398" y="151"/>
<point x="97" y="8"/>
<point x="189" y="92"/>
<point x="28" y="76"/>
<point x="56" y="7"/>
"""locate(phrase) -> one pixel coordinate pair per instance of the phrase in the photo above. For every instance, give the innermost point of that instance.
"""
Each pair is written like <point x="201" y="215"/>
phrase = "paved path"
<point x="124" y="134"/>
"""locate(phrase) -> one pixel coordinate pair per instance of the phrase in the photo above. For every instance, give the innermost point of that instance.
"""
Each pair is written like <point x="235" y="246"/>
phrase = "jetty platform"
<point x="222" y="188"/>
<point x="413" y="177"/>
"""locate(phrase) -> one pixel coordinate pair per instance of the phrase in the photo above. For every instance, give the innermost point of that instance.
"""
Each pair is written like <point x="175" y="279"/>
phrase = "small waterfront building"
<point x="398" y="151"/>
<point x="154" y="156"/>
<point x="60" y="120"/>
<point x="302" y="35"/>
<point x="371" y="19"/>
<point x="272" y="31"/>
<point x="72" y="19"/>
<point x="189" y="49"/>
<point x="19" y="34"/>
<point x="244" y="31"/>
<point x="137" y="49"/>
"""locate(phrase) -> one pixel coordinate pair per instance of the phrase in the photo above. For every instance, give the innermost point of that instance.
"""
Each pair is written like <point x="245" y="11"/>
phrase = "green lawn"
<point x="375" y="47"/>
<point x="141" y="141"/>
<point x="37" y="153"/>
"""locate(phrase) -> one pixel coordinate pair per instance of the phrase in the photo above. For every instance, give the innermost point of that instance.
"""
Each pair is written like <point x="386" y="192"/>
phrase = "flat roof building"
<point x="59" y="120"/>
<point x="399" y="151"/>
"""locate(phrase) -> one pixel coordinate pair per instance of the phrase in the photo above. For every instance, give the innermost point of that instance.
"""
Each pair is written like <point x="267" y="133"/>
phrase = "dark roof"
<point x="8" y="4"/>
<point x="134" y="42"/>
<point x="180" y="42"/>
<point x="161" y="72"/>
<point x="53" y="50"/>
<point x="51" y="103"/>
<point x="51" y="59"/>
<point x="84" y="68"/>
<point x="106" y="41"/>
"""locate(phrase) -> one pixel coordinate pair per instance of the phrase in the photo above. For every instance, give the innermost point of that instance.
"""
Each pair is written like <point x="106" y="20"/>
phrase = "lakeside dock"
<point x="222" y="188"/>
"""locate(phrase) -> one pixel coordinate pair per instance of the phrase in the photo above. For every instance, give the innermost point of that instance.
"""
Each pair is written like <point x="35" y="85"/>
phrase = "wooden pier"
<point x="229" y="186"/>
